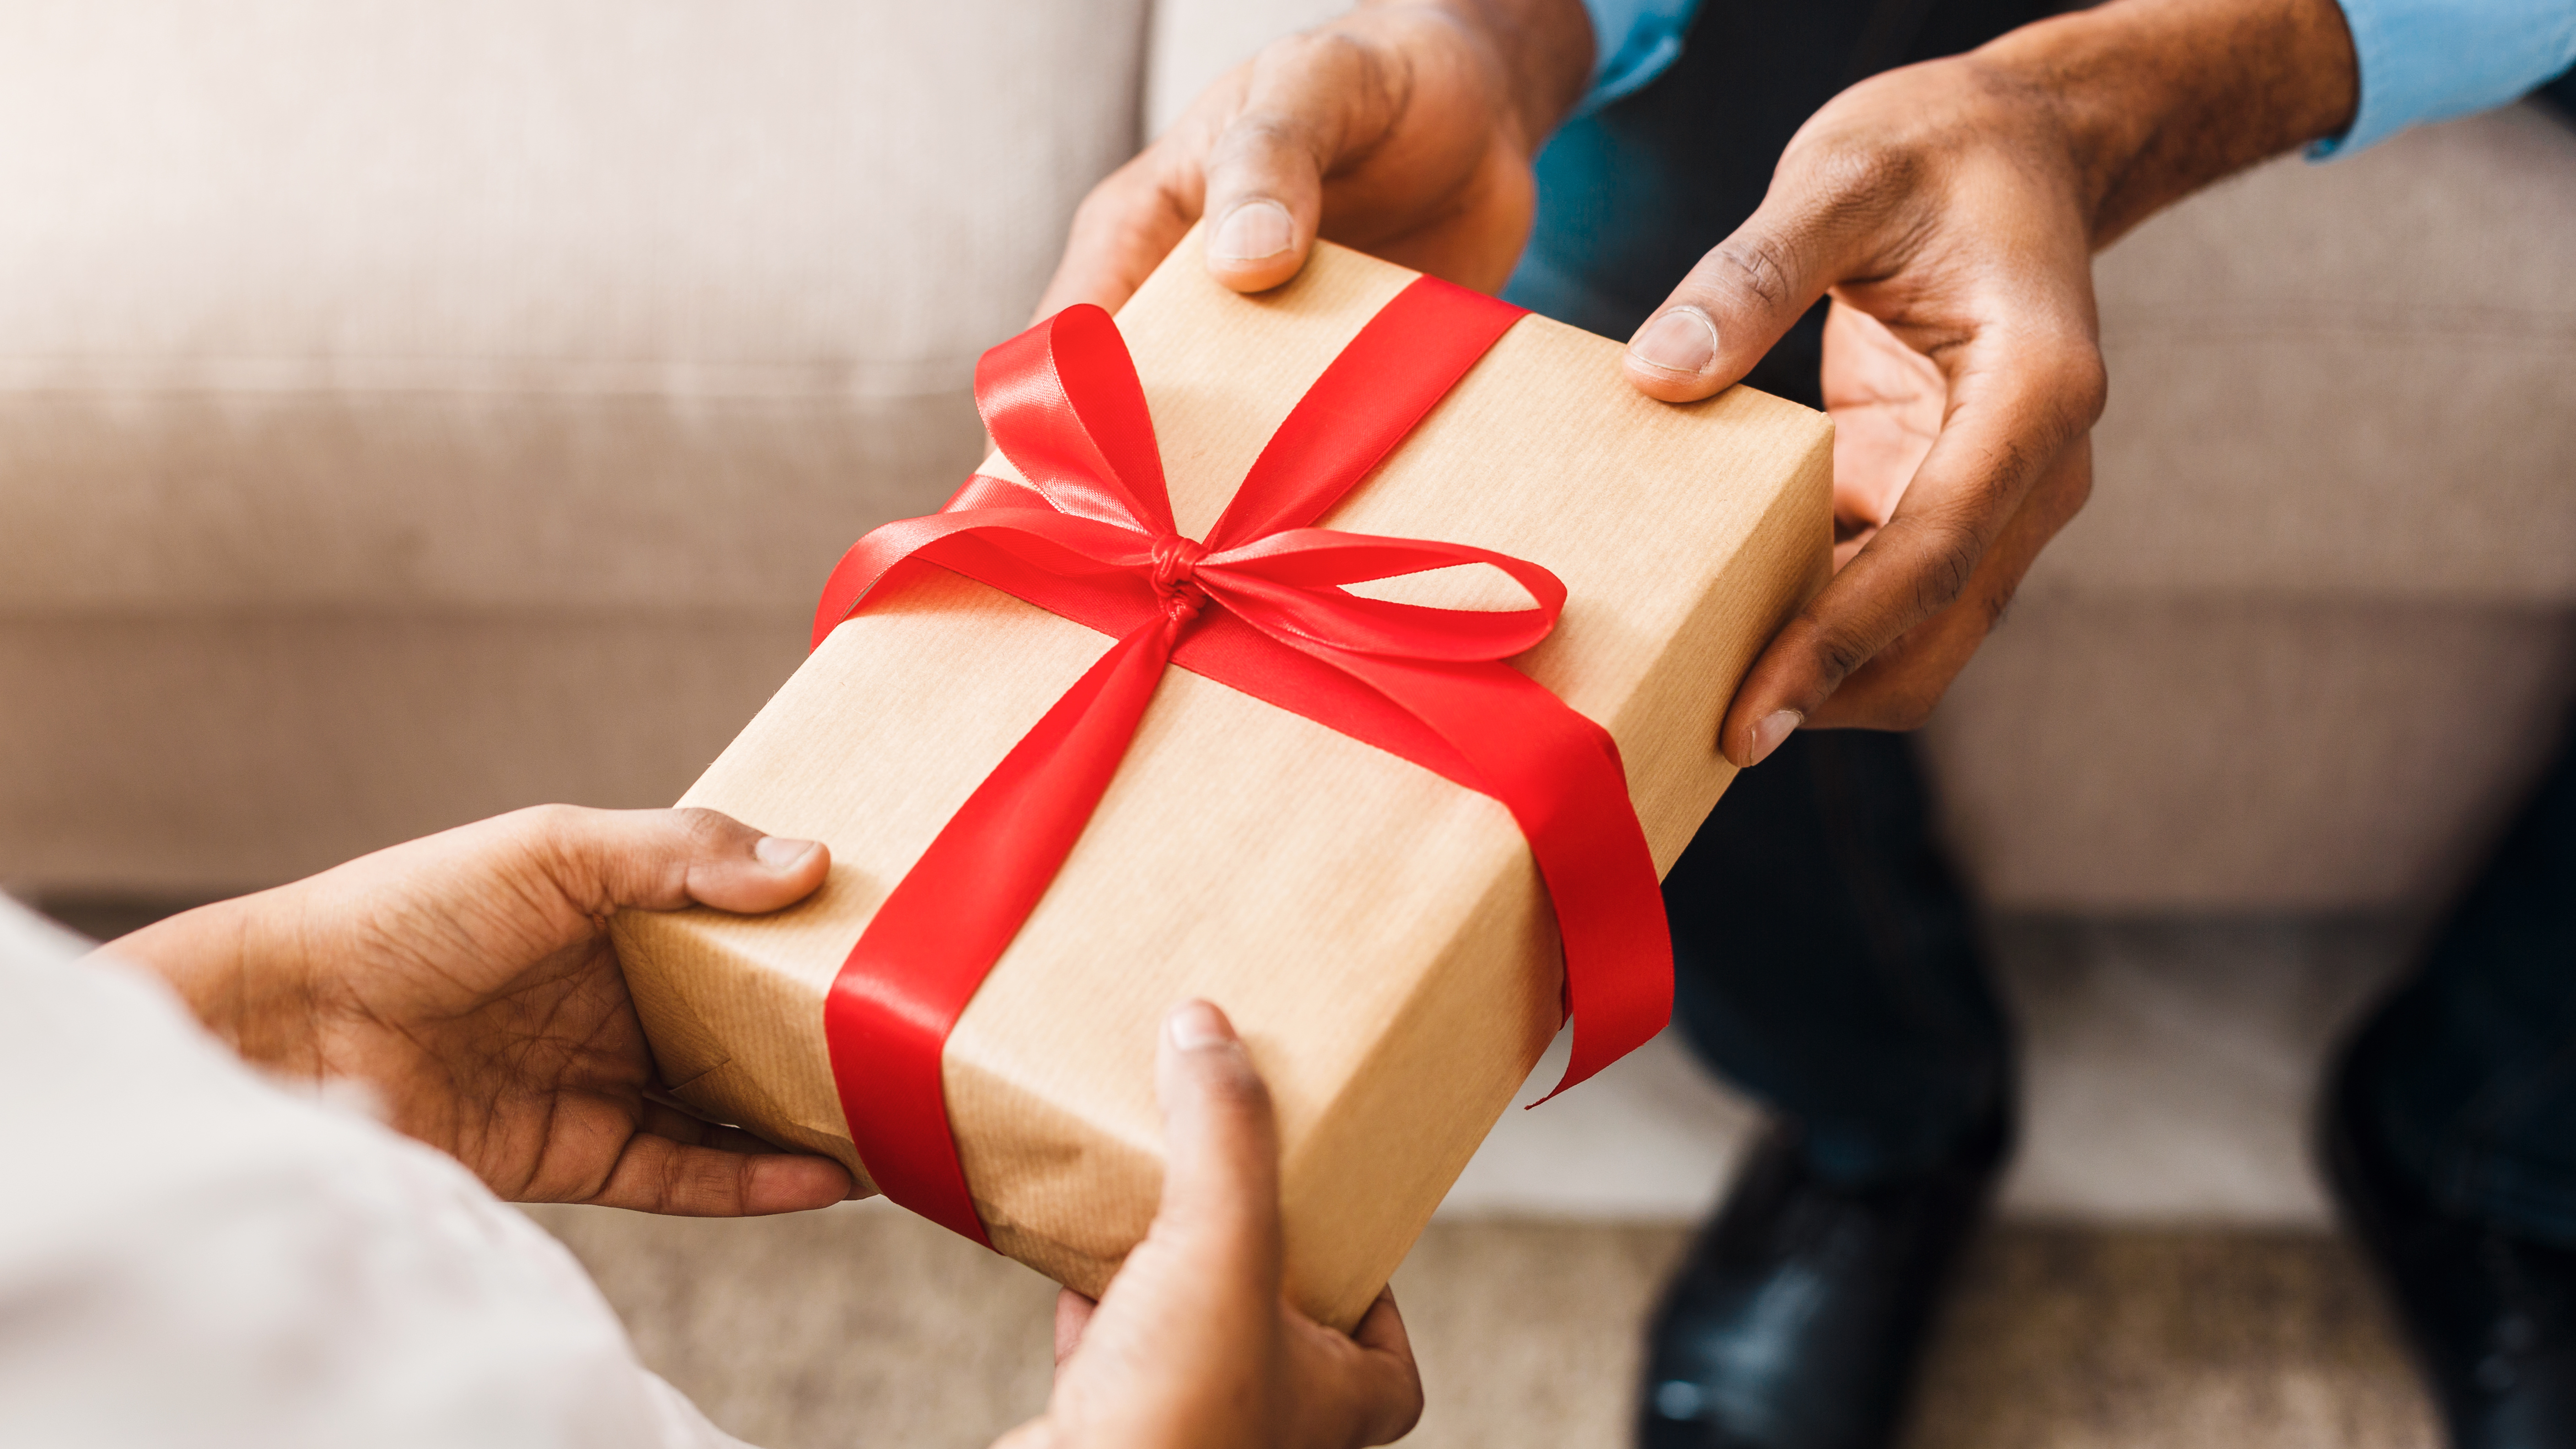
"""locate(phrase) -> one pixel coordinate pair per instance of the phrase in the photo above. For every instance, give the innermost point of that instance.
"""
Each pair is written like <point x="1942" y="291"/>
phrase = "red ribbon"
<point x="1259" y="606"/>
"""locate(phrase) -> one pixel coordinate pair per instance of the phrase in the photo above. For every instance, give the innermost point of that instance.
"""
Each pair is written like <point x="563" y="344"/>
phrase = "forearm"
<point x="2162" y="97"/>
<point x="1543" y="50"/>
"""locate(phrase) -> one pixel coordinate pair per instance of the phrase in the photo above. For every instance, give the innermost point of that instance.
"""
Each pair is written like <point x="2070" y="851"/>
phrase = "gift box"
<point x="1375" y="790"/>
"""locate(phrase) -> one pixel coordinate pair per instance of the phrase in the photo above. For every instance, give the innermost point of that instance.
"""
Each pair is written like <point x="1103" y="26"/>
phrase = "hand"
<point x="1192" y="1345"/>
<point x="1951" y="210"/>
<point x="1403" y="128"/>
<point x="1887" y="402"/>
<point x="468" y="981"/>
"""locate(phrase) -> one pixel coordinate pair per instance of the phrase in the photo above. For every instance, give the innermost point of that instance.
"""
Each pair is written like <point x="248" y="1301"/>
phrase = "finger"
<point x="665" y="859"/>
<point x="1124" y="229"/>
<point x="2018" y="401"/>
<point x="1391" y="1388"/>
<point x="1307" y="101"/>
<point x="1249" y="157"/>
<point x="654" y="1174"/>
<point x="1072" y="1315"/>
<point x="1898" y="688"/>
<point x="1736" y="302"/>
<point x="1381" y="1330"/>
<point x="1886" y="401"/>
<point x="1369" y="1378"/>
<point x="1220" y="1206"/>
<point x="691" y="1130"/>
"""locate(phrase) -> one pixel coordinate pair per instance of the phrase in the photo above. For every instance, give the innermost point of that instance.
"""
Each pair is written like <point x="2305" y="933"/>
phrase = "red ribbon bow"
<point x="1260" y="607"/>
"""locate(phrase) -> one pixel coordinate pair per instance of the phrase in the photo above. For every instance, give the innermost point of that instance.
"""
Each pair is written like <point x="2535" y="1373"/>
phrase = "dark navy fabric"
<point x="1827" y="959"/>
<point x="2467" y="1076"/>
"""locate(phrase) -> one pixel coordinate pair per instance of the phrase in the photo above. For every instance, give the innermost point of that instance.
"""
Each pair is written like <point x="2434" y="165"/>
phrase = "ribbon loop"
<point x="1090" y="536"/>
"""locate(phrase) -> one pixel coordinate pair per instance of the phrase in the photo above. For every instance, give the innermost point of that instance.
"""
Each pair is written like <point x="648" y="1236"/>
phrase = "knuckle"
<point x="1994" y="609"/>
<point x="1952" y="567"/>
<point x="1256" y="134"/>
<point x="2072" y="495"/>
<point x="1755" y="267"/>
<point x="1236" y="1088"/>
<point x="1947" y="550"/>
<point x="2084" y="380"/>
<point x="1329" y="71"/>
<point x="549" y="822"/>
<point x="679" y="1187"/>
<point x="550" y="833"/>
<point x="1327" y="50"/>
<point x="1855" y="180"/>
<point x="1838" y="651"/>
<point x="705" y="829"/>
<point x="1857" y="168"/>
<point x="1262" y="152"/>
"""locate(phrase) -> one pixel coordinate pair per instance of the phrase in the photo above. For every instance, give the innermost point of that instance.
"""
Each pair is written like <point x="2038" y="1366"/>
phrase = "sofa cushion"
<point x="2356" y="378"/>
<point x="2150" y="755"/>
<point x="354" y="303"/>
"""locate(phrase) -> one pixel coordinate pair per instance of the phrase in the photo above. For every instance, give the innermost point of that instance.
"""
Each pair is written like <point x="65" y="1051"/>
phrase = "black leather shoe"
<point x="2492" y="1317"/>
<point x="1799" y="1316"/>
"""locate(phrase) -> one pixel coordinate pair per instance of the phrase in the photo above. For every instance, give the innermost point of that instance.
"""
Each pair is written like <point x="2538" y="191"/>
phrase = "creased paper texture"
<point x="1377" y="933"/>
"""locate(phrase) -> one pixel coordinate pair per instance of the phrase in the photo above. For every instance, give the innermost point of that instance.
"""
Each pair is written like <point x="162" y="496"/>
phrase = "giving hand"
<point x="1403" y="128"/>
<point x="468" y="982"/>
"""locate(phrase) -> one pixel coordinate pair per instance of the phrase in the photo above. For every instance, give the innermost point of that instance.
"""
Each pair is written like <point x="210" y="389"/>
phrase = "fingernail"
<point x="1195" y="1026"/>
<point x="1682" y="340"/>
<point x="780" y="853"/>
<point x="1774" y="728"/>
<point x="1254" y="230"/>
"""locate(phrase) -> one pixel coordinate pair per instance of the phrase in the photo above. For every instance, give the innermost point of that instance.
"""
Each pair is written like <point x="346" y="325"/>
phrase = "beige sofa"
<point x="408" y="412"/>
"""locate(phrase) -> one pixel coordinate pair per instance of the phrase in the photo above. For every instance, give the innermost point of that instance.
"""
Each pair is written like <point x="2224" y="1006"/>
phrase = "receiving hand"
<point x="1192" y="1346"/>
<point x="1404" y="129"/>
<point x="468" y="981"/>
<point x="1961" y="368"/>
<point x="1951" y="209"/>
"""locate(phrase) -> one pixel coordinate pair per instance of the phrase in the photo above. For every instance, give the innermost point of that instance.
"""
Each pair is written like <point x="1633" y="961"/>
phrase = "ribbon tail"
<point x="1560" y="776"/>
<point x="929" y="947"/>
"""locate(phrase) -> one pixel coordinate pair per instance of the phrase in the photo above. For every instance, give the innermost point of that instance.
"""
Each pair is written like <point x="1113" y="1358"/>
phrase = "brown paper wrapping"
<point x="1377" y="933"/>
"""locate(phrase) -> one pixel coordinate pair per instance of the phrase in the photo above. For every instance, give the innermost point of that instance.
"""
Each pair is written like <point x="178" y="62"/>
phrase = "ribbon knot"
<point x="1090" y="536"/>
<point x="1176" y="583"/>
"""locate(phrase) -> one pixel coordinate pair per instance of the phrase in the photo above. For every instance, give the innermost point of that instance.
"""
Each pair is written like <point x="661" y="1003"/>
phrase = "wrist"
<point x="221" y="961"/>
<point x="1540" y="53"/>
<point x="2154" y="99"/>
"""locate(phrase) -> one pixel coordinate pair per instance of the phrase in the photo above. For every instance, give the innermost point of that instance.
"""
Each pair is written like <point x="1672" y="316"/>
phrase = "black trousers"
<point x="1826" y="957"/>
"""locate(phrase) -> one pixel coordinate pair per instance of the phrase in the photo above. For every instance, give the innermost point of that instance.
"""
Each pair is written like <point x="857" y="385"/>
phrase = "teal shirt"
<point x="2421" y="60"/>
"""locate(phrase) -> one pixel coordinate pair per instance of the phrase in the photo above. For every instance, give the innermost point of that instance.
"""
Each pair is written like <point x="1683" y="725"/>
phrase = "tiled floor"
<point x="863" y="1326"/>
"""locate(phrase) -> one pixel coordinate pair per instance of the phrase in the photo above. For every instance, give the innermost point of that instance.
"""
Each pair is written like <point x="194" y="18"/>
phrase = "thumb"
<point x="1310" y="102"/>
<point x="1220" y="1208"/>
<point x="663" y="860"/>
<point x="1735" y="304"/>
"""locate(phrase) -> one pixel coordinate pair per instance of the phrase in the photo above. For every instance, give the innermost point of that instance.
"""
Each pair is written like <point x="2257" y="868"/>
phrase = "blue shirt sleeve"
<point x="2428" y="60"/>
<point x="1633" y="41"/>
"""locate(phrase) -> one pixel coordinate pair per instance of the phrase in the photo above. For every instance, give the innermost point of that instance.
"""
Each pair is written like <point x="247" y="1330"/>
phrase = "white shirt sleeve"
<point x="191" y="1256"/>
